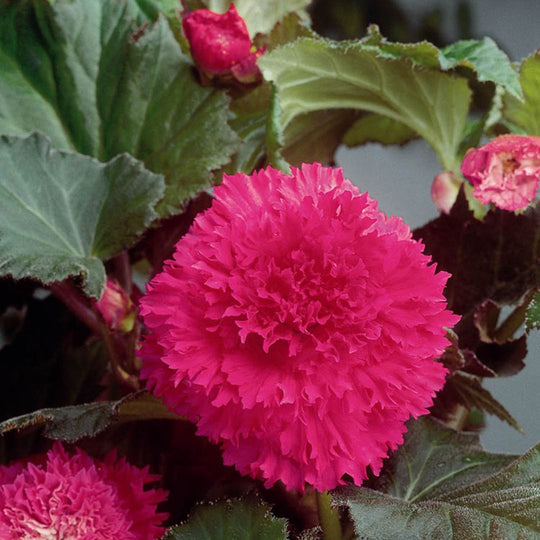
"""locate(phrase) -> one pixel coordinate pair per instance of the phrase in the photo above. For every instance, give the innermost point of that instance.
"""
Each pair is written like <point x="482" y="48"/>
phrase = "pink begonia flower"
<point x="220" y="44"/>
<point x="72" y="496"/>
<point x="116" y="307"/>
<point x="298" y="326"/>
<point x="444" y="191"/>
<point x="505" y="171"/>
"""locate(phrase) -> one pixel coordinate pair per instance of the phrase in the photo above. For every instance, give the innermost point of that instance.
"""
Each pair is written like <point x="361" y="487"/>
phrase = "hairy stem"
<point x="328" y="517"/>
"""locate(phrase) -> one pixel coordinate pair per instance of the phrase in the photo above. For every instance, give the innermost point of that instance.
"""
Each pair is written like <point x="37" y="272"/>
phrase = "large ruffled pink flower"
<point x="298" y="326"/>
<point x="72" y="496"/>
<point x="505" y="171"/>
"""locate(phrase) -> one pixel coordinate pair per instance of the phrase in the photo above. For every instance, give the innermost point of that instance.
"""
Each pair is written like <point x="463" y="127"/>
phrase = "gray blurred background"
<point x="400" y="177"/>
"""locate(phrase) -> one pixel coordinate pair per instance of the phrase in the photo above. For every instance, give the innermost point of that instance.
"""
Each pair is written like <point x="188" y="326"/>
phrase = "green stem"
<point x="328" y="517"/>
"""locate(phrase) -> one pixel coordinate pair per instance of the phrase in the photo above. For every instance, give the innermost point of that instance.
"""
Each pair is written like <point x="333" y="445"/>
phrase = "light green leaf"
<point x="62" y="213"/>
<point x="97" y="82"/>
<point x="313" y="74"/>
<point x="260" y="17"/>
<point x="247" y="519"/>
<point x="501" y="506"/>
<point x="74" y="422"/>
<point x="316" y="135"/>
<point x="482" y="56"/>
<point x="377" y="128"/>
<point x="525" y="116"/>
<point x="486" y="59"/>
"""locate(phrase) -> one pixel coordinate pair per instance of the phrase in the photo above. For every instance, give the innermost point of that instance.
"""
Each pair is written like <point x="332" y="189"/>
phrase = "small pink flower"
<point x="116" y="307"/>
<point x="505" y="171"/>
<point x="444" y="191"/>
<point x="72" y="496"/>
<point x="220" y="44"/>
<point x="298" y="326"/>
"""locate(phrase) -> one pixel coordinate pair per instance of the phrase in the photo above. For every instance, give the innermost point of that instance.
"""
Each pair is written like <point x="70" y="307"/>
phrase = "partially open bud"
<point x="444" y="191"/>
<point x="116" y="308"/>
<point x="220" y="44"/>
<point x="505" y="171"/>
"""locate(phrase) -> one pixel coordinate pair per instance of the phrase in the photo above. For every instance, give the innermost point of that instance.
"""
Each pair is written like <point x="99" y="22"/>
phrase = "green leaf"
<point x="532" y="318"/>
<point x="247" y="519"/>
<point x="62" y="213"/>
<point x="377" y="128"/>
<point x="312" y="75"/>
<point x="97" y="82"/>
<point x="260" y="17"/>
<point x="316" y="135"/>
<point x="435" y="460"/>
<point x="525" y="115"/>
<point x="499" y="505"/>
<point x="249" y="120"/>
<point x="74" y="422"/>
<point x="486" y="59"/>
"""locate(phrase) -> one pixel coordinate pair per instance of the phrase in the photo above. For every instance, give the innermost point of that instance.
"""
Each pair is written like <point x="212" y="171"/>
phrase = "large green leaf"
<point x="486" y="59"/>
<point x="88" y="75"/>
<point x="62" y="213"/>
<point x="488" y="62"/>
<point x="525" y="116"/>
<point x="247" y="519"/>
<point x="316" y="74"/>
<point x="442" y="485"/>
<point x="435" y="460"/>
<point x="376" y="128"/>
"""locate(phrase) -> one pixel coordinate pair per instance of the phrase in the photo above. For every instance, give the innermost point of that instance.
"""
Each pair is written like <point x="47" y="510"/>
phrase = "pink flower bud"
<point x="220" y="44"/>
<point x="444" y="191"/>
<point x="116" y="307"/>
<point x="505" y="171"/>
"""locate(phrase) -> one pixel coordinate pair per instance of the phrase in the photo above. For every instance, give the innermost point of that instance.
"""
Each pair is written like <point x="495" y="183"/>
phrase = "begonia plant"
<point x="207" y="328"/>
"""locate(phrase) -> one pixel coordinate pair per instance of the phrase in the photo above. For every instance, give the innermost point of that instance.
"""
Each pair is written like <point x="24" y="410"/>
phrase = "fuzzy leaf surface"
<point x="504" y="503"/>
<point x="62" y="213"/>
<point x="317" y="74"/>
<point x="525" y="115"/>
<point x="96" y="81"/>
<point x="74" y="422"/>
<point x="488" y="61"/>
<point x="484" y="57"/>
<point x="247" y="519"/>
<point x="435" y="460"/>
